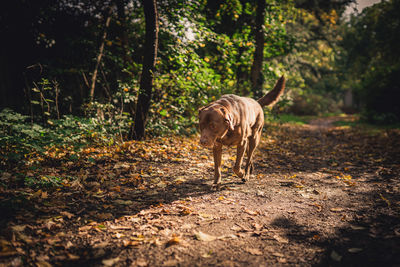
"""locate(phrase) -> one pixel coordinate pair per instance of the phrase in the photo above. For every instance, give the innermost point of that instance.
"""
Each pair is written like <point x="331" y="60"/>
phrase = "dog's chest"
<point x="231" y="138"/>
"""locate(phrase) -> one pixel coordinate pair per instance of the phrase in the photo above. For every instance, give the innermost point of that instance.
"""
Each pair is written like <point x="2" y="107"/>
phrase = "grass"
<point x="292" y="119"/>
<point x="355" y="121"/>
<point x="343" y="120"/>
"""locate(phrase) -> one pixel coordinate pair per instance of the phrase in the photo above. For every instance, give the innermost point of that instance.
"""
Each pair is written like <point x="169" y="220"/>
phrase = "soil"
<point x="319" y="195"/>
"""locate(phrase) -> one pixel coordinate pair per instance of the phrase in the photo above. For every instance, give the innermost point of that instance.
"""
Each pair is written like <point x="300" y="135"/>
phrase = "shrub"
<point x="312" y="104"/>
<point x="19" y="140"/>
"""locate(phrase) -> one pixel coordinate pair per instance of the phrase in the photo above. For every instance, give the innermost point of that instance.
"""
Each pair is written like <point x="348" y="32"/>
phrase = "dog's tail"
<point x="272" y="97"/>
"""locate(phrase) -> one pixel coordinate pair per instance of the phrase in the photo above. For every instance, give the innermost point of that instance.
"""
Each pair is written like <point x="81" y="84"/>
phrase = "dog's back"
<point x="245" y="111"/>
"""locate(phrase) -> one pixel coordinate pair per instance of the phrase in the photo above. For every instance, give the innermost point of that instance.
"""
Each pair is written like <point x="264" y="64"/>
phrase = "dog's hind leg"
<point x="253" y="142"/>
<point x="239" y="159"/>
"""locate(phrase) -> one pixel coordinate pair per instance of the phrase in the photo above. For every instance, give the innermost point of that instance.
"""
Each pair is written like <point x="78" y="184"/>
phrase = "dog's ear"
<point x="201" y="109"/>
<point x="228" y="117"/>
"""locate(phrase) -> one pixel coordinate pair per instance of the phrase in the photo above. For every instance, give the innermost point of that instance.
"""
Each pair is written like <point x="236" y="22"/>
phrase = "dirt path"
<point x="320" y="195"/>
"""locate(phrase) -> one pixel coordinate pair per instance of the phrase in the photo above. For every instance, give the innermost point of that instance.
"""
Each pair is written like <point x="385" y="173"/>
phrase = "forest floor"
<point x="320" y="195"/>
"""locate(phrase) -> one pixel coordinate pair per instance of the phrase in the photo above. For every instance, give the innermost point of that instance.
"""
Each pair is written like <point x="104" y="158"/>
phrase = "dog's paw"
<point x="216" y="187"/>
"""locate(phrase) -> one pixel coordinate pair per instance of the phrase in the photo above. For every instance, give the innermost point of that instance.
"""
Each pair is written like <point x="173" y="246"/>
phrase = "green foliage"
<point x="290" y="118"/>
<point x="206" y="49"/>
<point x="371" y="65"/>
<point x="21" y="140"/>
<point x="207" y="58"/>
<point x="18" y="138"/>
<point x="311" y="104"/>
<point x="46" y="181"/>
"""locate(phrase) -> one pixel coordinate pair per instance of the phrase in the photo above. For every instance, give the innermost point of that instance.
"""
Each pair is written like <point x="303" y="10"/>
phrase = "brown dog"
<point x="235" y="120"/>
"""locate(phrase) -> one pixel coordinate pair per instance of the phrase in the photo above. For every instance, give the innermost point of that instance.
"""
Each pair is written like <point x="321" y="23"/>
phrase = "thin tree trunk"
<point x="149" y="63"/>
<point x="99" y="56"/>
<point x="242" y="75"/>
<point x="256" y="68"/>
<point x="123" y="34"/>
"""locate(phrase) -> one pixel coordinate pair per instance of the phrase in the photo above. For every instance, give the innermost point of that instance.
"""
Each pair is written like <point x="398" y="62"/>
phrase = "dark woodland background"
<point x="126" y="69"/>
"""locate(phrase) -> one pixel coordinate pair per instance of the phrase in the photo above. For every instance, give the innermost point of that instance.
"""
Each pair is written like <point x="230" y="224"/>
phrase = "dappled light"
<point x="320" y="194"/>
<point x="199" y="133"/>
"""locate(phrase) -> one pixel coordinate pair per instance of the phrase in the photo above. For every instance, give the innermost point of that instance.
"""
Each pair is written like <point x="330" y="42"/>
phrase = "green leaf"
<point x="163" y="113"/>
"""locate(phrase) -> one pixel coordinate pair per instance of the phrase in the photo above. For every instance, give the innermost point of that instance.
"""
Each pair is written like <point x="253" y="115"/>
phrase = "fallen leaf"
<point x="236" y="228"/>
<point x="357" y="227"/>
<point x="355" y="250"/>
<point x="138" y="238"/>
<point x="205" y="216"/>
<point x="173" y="241"/>
<point x="286" y="183"/>
<point x="52" y="241"/>
<point x="43" y="264"/>
<point x="336" y="256"/>
<point x="385" y="199"/>
<point x="207" y="254"/>
<point x="337" y="209"/>
<point x="118" y="235"/>
<point x="44" y="195"/>
<point x="250" y="212"/>
<point x="68" y="245"/>
<point x="110" y="262"/>
<point x="230" y="236"/>
<point x="281" y="239"/>
<point x="257" y="226"/>
<point x="8" y="252"/>
<point x="119" y="227"/>
<point x="18" y="228"/>
<point x="204" y="237"/>
<point x="140" y="263"/>
<point x="254" y="251"/>
<point x="185" y="211"/>
<point x="67" y="214"/>
<point x="277" y="254"/>
<point x="85" y="228"/>
<point x="105" y="216"/>
<point x="37" y="194"/>
<point x="319" y="207"/>
<point x="24" y="238"/>
<point x="130" y="243"/>
<point x="180" y="180"/>
<point x="397" y="231"/>
<point x="123" y="202"/>
<point x="121" y="165"/>
<point x="161" y="184"/>
<point x="72" y="256"/>
<point x="260" y="193"/>
<point x="316" y="237"/>
<point x="171" y="263"/>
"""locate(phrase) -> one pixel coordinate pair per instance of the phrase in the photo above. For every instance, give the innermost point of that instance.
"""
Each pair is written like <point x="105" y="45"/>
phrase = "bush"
<point x="20" y="140"/>
<point x="312" y="104"/>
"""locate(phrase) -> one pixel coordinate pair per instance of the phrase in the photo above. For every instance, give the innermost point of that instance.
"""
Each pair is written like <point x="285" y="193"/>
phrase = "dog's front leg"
<point x="217" y="152"/>
<point x="241" y="148"/>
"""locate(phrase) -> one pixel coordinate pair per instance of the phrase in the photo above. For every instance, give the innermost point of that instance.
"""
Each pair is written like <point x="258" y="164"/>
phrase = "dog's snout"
<point x="205" y="142"/>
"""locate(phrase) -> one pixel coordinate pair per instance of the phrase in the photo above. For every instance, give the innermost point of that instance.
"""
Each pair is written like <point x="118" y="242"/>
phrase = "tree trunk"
<point x="149" y="63"/>
<point x="242" y="75"/>
<point x="256" y="68"/>
<point x="99" y="56"/>
<point x="123" y="34"/>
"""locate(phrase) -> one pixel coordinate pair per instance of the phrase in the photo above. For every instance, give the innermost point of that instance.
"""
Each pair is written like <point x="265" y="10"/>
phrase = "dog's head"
<point x="214" y="120"/>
